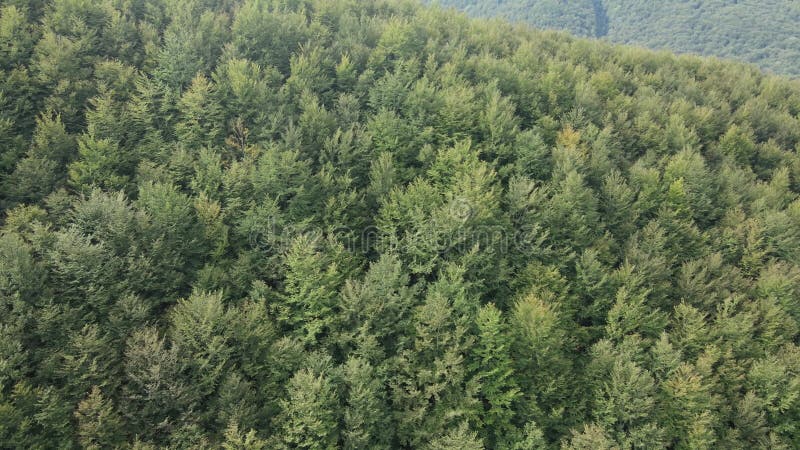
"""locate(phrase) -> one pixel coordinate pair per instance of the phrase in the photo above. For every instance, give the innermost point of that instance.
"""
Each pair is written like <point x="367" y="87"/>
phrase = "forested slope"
<point x="575" y="16"/>
<point x="344" y="224"/>
<point x="766" y="33"/>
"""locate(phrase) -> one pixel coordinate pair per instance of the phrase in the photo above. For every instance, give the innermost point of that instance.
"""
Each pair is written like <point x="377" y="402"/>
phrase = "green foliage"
<point x="365" y="413"/>
<point x="310" y="411"/>
<point x="340" y="224"/>
<point x="99" y="426"/>
<point x="495" y="373"/>
<point x="316" y="272"/>
<point x="706" y="28"/>
<point x="458" y="438"/>
<point x="237" y="440"/>
<point x="101" y="164"/>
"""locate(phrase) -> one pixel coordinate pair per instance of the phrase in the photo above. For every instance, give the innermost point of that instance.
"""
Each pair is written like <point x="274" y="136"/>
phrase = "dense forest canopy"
<point x="766" y="33"/>
<point x="343" y="224"/>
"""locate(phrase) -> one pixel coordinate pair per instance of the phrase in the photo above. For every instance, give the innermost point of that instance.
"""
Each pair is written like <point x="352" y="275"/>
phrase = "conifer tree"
<point x="544" y="373"/>
<point x="310" y="412"/>
<point x="238" y="440"/>
<point x="99" y="425"/>
<point x="198" y="330"/>
<point x="459" y="437"/>
<point x="494" y="372"/>
<point x="316" y="272"/>
<point x="366" y="423"/>
<point x="201" y="120"/>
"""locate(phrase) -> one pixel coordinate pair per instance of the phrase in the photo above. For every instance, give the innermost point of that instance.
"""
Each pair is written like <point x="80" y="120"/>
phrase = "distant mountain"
<point x="764" y="32"/>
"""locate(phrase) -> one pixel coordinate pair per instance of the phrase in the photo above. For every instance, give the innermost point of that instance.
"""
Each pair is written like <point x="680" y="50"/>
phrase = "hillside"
<point x="766" y="33"/>
<point x="576" y="16"/>
<point x="320" y="224"/>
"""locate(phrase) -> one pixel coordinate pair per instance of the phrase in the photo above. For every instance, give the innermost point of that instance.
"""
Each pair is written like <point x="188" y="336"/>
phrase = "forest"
<point x="347" y="224"/>
<point x="766" y="33"/>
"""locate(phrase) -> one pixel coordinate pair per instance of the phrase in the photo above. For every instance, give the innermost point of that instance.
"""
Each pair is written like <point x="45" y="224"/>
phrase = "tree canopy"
<point x="323" y="224"/>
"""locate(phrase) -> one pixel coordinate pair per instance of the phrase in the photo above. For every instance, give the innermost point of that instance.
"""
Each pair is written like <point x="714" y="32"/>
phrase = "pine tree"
<point x="16" y="37"/>
<point x="99" y="425"/>
<point x="309" y="417"/>
<point x="493" y="369"/>
<point x="249" y="90"/>
<point x="13" y="356"/>
<point x="201" y="119"/>
<point x="530" y="437"/>
<point x="460" y="438"/>
<point x="617" y="202"/>
<point x="237" y="440"/>
<point x="625" y="403"/>
<point x="689" y="408"/>
<point x="88" y="359"/>
<point x="155" y="392"/>
<point x="316" y="272"/>
<point x="41" y="170"/>
<point x="199" y="328"/>
<point x="543" y="373"/>
<point x="573" y="213"/>
<point x="593" y="437"/>
<point x="365" y="412"/>
<point x="101" y="163"/>
<point x="430" y="389"/>
<point x="631" y="314"/>
<point x="382" y="303"/>
<point x="175" y="241"/>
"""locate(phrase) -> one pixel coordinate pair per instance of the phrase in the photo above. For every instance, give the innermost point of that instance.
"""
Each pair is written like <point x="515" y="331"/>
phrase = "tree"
<point x="155" y="393"/>
<point x="688" y="169"/>
<point x="618" y="200"/>
<point x="201" y="117"/>
<point x="42" y="169"/>
<point x="99" y="425"/>
<point x="738" y="145"/>
<point x="199" y="328"/>
<point x="624" y="405"/>
<point x="460" y="438"/>
<point x="493" y="369"/>
<point x="192" y="43"/>
<point x="631" y="314"/>
<point x="269" y="37"/>
<point x="16" y="37"/>
<point x="87" y="359"/>
<point x="175" y="241"/>
<point x="382" y="303"/>
<point x="366" y="422"/>
<point x="689" y="408"/>
<point x="250" y="92"/>
<point x="20" y="186"/>
<point x="572" y="214"/>
<point x="237" y="440"/>
<point x="101" y="163"/>
<point x="592" y="437"/>
<point x="316" y="272"/>
<point x="309" y="414"/>
<point x="544" y="373"/>
<point x="451" y="217"/>
<point x="13" y="356"/>
<point x="87" y="274"/>
<point x="430" y="390"/>
<point x="284" y="176"/>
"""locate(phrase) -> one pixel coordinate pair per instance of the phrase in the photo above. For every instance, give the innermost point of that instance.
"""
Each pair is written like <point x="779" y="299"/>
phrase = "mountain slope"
<point x="766" y="33"/>
<point x="575" y="16"/>
<point x="322" y="224"/>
